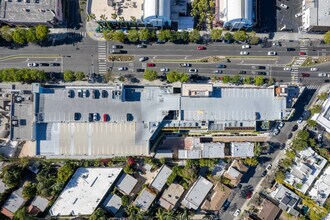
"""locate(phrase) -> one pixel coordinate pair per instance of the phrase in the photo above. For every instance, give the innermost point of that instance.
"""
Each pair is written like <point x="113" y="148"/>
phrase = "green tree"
<point x="247" y="80"/>
<point x="79" y="76"/>
<point x="299" y="145"/>
<point x="303" y="135"/>
<point x="144" y="35"/>
<point x="108" y="35"/>
<point x="42" y="32"/>
<point x="174" y="76"/>
<point x="285" y="163"/>
<point x="124" y="200"/>
<point x="323" y="96"/>
<point x="69" y="76"/>
<point x="31" y="35"/>
<point x="21" y="214"/>
<point x="114" y="16"/>
<point x="236" y="79"/>
<point x="19" y="35"/>
<point x="133" y="36"/>
<point x="98" y="214"/>
<point x="163" y="35"/>
<point x="119" y="36"/>
<point x="29" y="190"/>
<point x="251" y="161"/>
<point x="327" y="37"/>
<point x="259" y="80"/>
<point x="290" y="154"/>
<point x="225" y="180"/>
<point x="194" y="36"/>
<point x="128" y="169"/>
<point x="253" y="38"/>
<point x="6" y="33"/>
<point x="183" y="36"/>
<point x="226" y="79"/>
<point x="228" y="36"/>
<point x="150" y="75"/>
<point x="216" y="34"/>
<point x="65" y="172"/>
<point x="11" y="174"/>
<point x="279" y="176"/>
<point x="311" y="123"/>
<point x="316" y="109"/>
<point x="240" y="36"/>
<point x="257" y="149"/>
<point x="271" y="81"/>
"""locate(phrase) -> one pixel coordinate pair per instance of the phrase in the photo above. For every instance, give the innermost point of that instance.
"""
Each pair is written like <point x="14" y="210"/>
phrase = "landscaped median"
<point x="31" y="56"/>
<point x="211" y="59"/>
<point x="120" y="58"/>
<point x="310" y="61"/>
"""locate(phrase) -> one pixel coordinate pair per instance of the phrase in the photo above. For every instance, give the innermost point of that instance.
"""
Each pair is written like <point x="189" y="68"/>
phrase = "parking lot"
<point x="286" y="11"/>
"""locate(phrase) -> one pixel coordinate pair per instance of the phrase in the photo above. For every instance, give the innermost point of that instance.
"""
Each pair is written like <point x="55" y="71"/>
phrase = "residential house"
<point x="269" y="211"/>
<point x="13" y="203"/>
<point x="171" y="196"/>
<point x="286" y="198"/>
<point x="235" y="172"/>
<point x="216" y="197"/>
<point x="112" y="203"/>
<point x="160" y="179"/>
<point x="126" y="184"/>
<point x="321" y="188"/>
<point x="145" y="199"/>
<point x="38" y="205"/>
<point x="242" y="149"/>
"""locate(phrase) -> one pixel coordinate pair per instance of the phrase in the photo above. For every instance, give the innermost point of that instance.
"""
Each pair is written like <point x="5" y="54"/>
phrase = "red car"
<point x="201" y="48"/>
<point x="151" y="65"/>
<point x="305" y="75"/>
<point x="105" y="117"/>
<point x="248" y="195"/>
<point x="302" y="53"/>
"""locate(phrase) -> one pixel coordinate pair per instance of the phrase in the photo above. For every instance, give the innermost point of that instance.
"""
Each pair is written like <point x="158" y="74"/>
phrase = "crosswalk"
<point x="80" y="34"/>
<point x="102" y="57"/>
<point x="303" y="47"/>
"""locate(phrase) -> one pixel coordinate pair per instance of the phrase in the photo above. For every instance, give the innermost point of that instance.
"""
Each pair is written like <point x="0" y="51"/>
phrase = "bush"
<point x="323" y="96"/>
<point x="216" y="34"/>
<point x="124" y="200"/>
<point x="327" y="37"/>
<point x="251" y="161"/>
<point x="150" y="75"/>
<point x="240" y="36"/>
<point x="29" y="190"/>
<point x="11" y="175"/>
<point x="69" y="76"/>
<point x="65" y="172"/>
<point x="22" y="75"/>
<point x="316" y="109"/>
<point x="174" y="76"/>
<point x="79" y="76"/>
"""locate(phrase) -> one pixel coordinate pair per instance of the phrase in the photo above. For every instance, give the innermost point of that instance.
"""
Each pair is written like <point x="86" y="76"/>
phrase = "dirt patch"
<point x="120" y="58"/>
<point x="28" y="149"/>
<point x="211" y="59"/>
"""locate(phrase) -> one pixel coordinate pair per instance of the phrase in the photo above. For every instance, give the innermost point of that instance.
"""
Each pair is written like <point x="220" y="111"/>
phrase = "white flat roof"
<point x="160" y="180"/>
<point x="84" y="192"/>
<point x="126" y="183"/>
<point x="112" y="203"/>
<point x="324" y="117"/>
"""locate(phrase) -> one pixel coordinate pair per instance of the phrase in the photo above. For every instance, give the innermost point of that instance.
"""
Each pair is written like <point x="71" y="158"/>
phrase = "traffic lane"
<point x="23" y="63"/>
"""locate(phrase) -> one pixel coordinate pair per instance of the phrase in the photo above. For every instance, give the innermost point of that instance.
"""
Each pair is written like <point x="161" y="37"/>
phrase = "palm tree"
<point x="133" y="20"/>
<point x="114" y="16"/>
<point x="183" y="216"/>
<point x="121" y="20"/>
<point x="104" y="20"/>
<point x="91" y="17"/>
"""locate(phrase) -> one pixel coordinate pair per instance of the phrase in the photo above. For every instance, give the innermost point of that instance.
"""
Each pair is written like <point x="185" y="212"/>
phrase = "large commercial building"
<point x="316" y="15"/>
<point x="236" y="14"/>
<point x="31" y="12"/>
<point x="138" y="116"/>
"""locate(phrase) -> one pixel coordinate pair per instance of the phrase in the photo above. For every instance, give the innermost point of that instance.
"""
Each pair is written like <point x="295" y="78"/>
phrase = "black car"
<point x="117" y="46"/>
<point x="262" y="73"/>
<point x="77" y="116"/>
<point x="226" y="205"/>
<point x="290" y="49"/>
<point x="55" y="64"/>
<point x="264" y="173"/>
<point x="242" y="72"/>
<point x="44" y="64"/>
<point x="70" y="93"/>
<point x="90" y="117"/>
<point x="104" y="93"/>
<point x="139" y="70"/>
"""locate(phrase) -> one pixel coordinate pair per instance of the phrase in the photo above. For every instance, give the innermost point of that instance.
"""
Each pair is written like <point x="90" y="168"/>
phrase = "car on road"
<point x="248" y="195"/>
<point x="139" y="70"/>
<point x="123" y="68"/>
<point x="302" y="53"/>
<point x="70" y="93"/>
<point x="322" y="74"/>
<point x="55" y="64"/>
<point x="298" y="15"/>
<point x="246" y="46"/>
<point x="201" y="48"/>
<point x="164" y="69"/>
<point x="290" y="49"/>
<point x="276" y="131"/>
<point x="95" y="116"/>
<point x="117" y="46"/>
<point x="105" y="117"/>
<point x="281" y="125"/>
<point x="264" y="173"/>
<point x="305" y="75"/>
<point x="32" y="64"/>
<point x="277" y="44"/>
<point x="221" y="66"/>
<point x="141" y="46"/>
<point x="242" y="72"/>
<point x="185" y="64"/>
<point x="244" y="53"/>
<point x="259" y="67"/>
<point x="284" y="6"/>
<point x="193" y="70"/>
<point x="217" y="71"/>
<point x="143" y="59"/>
<point x="271" y="53"/>
<point x="300" y="120"/>
<point x="313" y="69"/>
<point x="44" y="64"/>
<point x="261" y="73"/>
<point x="305" y="113"/>
<point x="287" y="69"/>
<point x="237" y="212"/>
<point x="151" y="65"/>
<point x="77" y="116"/>
<point x="116" y="51"/>
<point x="269" y="166"/>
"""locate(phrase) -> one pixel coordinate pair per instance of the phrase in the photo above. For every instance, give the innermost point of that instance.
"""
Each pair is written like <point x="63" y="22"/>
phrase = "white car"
<point x="276" y="44"/>
<point x="269" y="166"/>
<point x="32" y="64"/>
<point x="323" y="75"/>
<point x="284" y="6"/>
<point x="237" y="212"/>
<point x="298" y="15"/>
<point x="217" y="71"/>
<point x="244" y="53"/>
<point x="287" y="68"/>
<point x="164" y="69"/>
<point x="193" y="70"/>
<point x="123" y="68"/>
<point x="143" y="59"/>
<point x="272" y="53"/>
<point x="276" y="131"/>
<point x="314" y="69"/>
<point x="246" y="46"/>
<point x="281" y="125"/>
<point x="300" y="120"/>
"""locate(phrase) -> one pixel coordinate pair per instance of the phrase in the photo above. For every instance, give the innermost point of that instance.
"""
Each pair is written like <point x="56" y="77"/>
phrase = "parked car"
<point x="164" y="69"/>
<point x="246" y="46"/>
<point x="242" y="72"/>
<point x="322" y="75"/>
<point x="201" y="48"/>
<point x="95" y="116"/>
<point x="290" y="49"/>
<point x="70" y="93"/>
<point x="141" y="46"/>
<point x="84" y="93"/>
<point x="300" y="120"/>
<point x="287" y="68"/>
<point x="248" y="195"/>
<point x="123" y="68"/>
<point x="77" y="116"/>
<point x="277" y="44"/>
<point x="32" y="64"/>
<point x="151" y="65"/>
<point x="298" y="15"/>
<point x="314" y="69"/>
<point x="305" y="75"/>
<point x="271" y="53"/>
<point x="264" y="173"/>
<point x="302" y="53"/>
<point x="104" y="93"/>
<point x="93" y="94"/>
<point x="284" y="6"/>
<point x="117" y="46"/>
<point x="80" y="93"/>
<point x="276" y="131"/>
<point x="237" y="212"/>
<point x="269" y="166"/>
<point x="185" y="64"/>
<point x="44" y="64"/>
<point x="105" y="117"/>
<point x="281" y="125"/>
<point x="226" y="205"/>
<point x="139" y="70"/>
<point x="221" y="66"/>
<point x="193" y="70"/>
<point x="55" y="64"/>
<point x="90" y="117"/>
<point x="143" y="59"/>
<point x="244" y="53"/>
